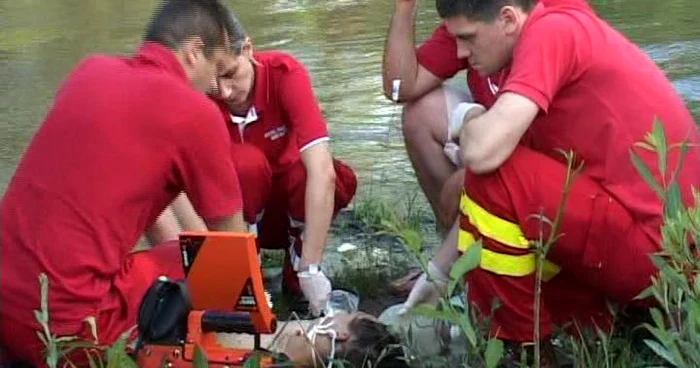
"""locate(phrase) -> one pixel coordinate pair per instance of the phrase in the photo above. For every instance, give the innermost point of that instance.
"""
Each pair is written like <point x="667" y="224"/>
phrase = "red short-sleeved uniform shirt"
<point x="287" y="118"/>
<point x="600" y="105"/>
<point x="125" y="135"/>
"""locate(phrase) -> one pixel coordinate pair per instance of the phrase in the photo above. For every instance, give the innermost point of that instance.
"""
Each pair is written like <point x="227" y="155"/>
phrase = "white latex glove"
<point x="316" y="288"/>
<point x="452" y="151"/>
<point x="457" y="118"/>
<point x="427" y="291"/>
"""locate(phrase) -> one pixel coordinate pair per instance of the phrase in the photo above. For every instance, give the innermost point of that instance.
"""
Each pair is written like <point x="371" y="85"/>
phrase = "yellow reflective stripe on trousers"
<point x="496" y="228"/>
<point x="506" y="264"/>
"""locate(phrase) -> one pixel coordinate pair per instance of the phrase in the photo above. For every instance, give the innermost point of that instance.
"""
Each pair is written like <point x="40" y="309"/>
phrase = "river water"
<point x="340" y="42"/>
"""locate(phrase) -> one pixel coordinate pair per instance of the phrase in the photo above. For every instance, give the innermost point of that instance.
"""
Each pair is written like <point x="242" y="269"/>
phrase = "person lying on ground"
<point x="357" y="338"/>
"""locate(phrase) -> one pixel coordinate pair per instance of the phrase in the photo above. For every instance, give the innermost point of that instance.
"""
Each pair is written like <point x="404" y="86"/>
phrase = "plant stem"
<point x="542" y="250"/>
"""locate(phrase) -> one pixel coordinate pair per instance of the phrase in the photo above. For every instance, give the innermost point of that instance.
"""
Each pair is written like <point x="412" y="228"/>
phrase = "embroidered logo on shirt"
<point x="276" y="133"/>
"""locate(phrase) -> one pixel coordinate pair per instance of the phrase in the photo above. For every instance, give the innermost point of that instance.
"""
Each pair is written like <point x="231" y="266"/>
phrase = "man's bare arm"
<point x="489" y="139"/>
<point x="233" y="223"/>
<point x="319" y="200"/>
<point x="186" y="214"/>
<point x="191" y="221"/>
<point x="400" y="61"/>
<point x="165" y="228"/>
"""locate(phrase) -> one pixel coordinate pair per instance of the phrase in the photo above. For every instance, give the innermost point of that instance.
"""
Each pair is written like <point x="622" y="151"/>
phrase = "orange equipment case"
<point x="226" y="294"/>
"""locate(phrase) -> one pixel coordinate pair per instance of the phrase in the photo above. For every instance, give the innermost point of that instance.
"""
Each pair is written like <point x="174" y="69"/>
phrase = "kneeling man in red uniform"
<point x="292" y="187"/>
<point x="124" y="136"/>
<point x="575" y="84"/>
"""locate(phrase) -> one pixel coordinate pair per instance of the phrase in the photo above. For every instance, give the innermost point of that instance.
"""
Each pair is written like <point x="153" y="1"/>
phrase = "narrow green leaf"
<point x="467" y="262"/>
<point x="644" y="171"/>
<point x="467" y="329"/>
<point x="661" y="145"/>
<point x="494" y="353"/>
<point x="411" y="239"/>
<point x="253" y="361"/>
<point x="660" y="351"/>
<point x="658" y="318"/>
<point x="673" y="202"/>
<point x="684" y="146"/>
<point x="200" y="358"/>
<point x="646" y="293"/>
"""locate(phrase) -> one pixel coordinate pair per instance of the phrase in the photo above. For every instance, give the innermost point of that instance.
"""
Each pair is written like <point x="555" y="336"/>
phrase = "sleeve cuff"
<point x="533" y="94"/>
<point x="313" y="143"/>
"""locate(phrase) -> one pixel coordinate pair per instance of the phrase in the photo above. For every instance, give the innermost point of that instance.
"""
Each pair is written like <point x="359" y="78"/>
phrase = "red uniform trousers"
<point x="602" y="253"/>
<point x="275" y="202"/>
<point x="119" y="314"/>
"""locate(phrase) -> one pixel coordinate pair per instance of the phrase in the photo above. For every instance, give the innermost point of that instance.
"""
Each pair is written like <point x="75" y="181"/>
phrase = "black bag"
<point x="163" y="313"/>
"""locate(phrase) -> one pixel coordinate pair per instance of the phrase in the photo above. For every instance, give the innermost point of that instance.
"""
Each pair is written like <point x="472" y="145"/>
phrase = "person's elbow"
<point x="481" y="160"/>
<point x="406" y="93"/>
<point x="230" y="223"/>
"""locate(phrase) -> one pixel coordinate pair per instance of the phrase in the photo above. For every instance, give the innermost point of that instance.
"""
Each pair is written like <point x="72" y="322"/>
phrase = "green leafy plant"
<point x="676" y="289"/>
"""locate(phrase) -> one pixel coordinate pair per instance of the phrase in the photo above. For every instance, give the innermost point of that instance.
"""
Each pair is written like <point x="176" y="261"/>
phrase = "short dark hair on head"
<point x="238" y="35"/>
<point x="177" y="20"/>
<point x="483" y="10"/>
<point x="371" y="344"/>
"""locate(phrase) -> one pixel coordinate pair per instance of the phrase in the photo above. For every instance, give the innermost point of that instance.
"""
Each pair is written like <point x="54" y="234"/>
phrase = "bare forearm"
<point x="186" y="214"/>
<point x="165" y="228"/>
<point x="447" y="254"/>
<point x="400" y="60"/>
<point x="233" y="223"/>
<point x="318" y="205"/>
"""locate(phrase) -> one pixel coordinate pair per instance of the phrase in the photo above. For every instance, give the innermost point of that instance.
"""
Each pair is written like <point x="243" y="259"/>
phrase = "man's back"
<point x="601" y="94"/>
<point x="114" y="150"/>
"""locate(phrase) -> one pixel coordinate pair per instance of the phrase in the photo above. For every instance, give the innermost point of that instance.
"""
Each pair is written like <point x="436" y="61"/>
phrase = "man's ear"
<point x="247" y="48"/>
<point x="192" y="49"/>
<point x="509" y="18"/>
<point x="343" y="336"/>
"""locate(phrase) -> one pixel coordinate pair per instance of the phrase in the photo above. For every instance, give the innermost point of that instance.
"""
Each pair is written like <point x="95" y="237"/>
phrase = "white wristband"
<point x="457" y="118"/>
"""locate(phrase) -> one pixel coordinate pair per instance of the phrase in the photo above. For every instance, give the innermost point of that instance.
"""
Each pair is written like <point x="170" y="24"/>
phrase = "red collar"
<point x="157" y="54"/>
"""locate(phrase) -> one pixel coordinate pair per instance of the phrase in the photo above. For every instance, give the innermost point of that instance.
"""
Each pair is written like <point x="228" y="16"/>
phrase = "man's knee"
<point x="345" y="185"/>
<point x="426" y="118"/>
<point x="429" y="115"/>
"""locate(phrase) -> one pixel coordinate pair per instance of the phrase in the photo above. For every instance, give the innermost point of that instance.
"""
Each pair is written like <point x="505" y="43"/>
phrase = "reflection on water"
<point x="341" y="42"/>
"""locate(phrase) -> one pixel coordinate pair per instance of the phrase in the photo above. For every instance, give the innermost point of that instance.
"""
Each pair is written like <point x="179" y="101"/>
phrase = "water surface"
<point x="341" y="42"/>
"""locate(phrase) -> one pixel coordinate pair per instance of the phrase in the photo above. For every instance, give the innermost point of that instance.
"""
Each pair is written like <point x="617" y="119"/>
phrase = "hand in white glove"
<point x="427" y="291"/>
<point x="316" y="288"/>
<point x="452" y="151"/>
<point x="457" y="116"/>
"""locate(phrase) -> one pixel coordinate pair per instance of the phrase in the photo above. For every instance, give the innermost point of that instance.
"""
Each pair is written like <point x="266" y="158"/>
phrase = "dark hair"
<point x="372" y="345"/>
<point x="177" y="20"/>
<point x="237" y="36"/>
<point x="483" y="10"/>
